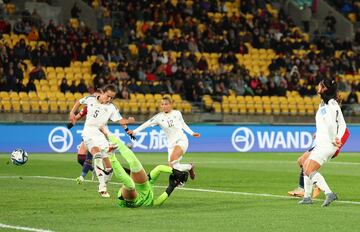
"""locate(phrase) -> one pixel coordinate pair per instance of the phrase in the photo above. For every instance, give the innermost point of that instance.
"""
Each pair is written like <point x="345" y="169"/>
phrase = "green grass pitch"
<point x="232" y="192"/>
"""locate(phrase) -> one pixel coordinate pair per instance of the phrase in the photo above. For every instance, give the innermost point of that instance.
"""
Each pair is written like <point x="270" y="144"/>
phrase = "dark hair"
<point x="110" y="87"/>
<point x="166" y="98"/>
<point x="331" y="91"/>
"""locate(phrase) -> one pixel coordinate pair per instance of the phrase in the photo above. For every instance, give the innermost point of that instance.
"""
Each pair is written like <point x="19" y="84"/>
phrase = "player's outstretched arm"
<point x="151" y="122"/>
<point x="187" y="128"/>
<point x="72" y="112"/>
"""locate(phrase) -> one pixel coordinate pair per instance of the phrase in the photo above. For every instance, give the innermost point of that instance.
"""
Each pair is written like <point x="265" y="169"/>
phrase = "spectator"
<point x="37" y="73"/>
<point x="19" y="86"/>
<point x="81" y="87"/>
<point x="350" y="103"/>
<point x="64" y="87"/>
<point x="330" y="22"/>
<point x="72" y="87"/>
<point x="30" y="87"/>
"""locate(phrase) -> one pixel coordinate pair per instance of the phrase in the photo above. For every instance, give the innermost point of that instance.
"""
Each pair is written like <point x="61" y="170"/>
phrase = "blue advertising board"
<point x="214" y="138"/>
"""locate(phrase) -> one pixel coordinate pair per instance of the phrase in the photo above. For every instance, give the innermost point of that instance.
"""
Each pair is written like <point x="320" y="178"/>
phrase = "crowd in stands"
<point x="171" y="42"/>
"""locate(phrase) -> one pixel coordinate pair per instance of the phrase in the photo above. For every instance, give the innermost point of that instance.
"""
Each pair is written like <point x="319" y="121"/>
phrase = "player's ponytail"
<point x="331" y="91"/>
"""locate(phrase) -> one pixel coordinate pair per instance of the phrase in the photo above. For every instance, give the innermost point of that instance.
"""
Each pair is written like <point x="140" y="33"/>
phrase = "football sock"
<point x="307" y="186"/>
<point x="90" y="157"/>
<point x="86" y="167"/>
<point x="319" y="180"/>
<point x="121" y="174"/>
<point x="301" y="178"/>
<point x="99" y="168"/>
<point x="161" y="199"/>
<point x="181" y="167"/>
<point x="129" y="156"/>
<point x="154" y="174"/>
<point x="81" y="159"/>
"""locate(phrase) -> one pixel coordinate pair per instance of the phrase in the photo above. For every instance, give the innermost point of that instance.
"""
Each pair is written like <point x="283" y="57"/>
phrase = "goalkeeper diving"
<point x="137" y="188"/>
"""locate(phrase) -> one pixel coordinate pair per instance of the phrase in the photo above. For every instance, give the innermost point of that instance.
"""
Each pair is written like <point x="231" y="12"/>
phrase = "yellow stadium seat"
<point x="44" y="107"/>
<point x="62" y="105"/>
<point x="234" y="109"/>
<point x="134" y="108"/>
<point x="4" y="95"/>
<point x="14" y="96"/>
<point x="6" y="105"/>
<point x="16" y="106"/>
<point x="53" y="107"/>
<point x="39" y="96"/>
<point x="301" y="109"/>
<point x="23" y="96"/>
<point x="78" y="96"/>
<point x="35" y="106"/>
<point x="25" y="106"/>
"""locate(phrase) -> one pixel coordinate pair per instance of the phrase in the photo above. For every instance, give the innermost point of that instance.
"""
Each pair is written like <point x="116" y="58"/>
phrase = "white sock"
<point x="307" y="186"/>
<point x="181" y="167"/>
<point x="319" y="180"/>
<point x="98" y="167"/>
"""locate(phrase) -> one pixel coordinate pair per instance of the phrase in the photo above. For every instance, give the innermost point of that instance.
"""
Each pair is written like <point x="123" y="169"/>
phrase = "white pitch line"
<point x="23" y="228"/>
<point x="188" y="189"/>
<point x="267" y="162"/>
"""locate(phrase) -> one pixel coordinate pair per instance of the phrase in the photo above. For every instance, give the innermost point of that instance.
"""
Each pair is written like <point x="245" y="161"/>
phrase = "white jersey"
<point x="330" y="123"/>
<point x="171" y="123"/>
<point x="98" y="115"/>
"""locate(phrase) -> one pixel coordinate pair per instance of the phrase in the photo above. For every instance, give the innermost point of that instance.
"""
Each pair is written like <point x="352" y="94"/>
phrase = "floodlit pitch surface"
<point x="232" y="192"/>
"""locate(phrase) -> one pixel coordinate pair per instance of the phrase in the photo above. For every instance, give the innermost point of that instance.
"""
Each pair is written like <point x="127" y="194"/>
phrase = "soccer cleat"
<point x="316" y="192"/>
<point x="306" y="201"/>
<point x="80" y="179"/>
<point x="298" y="192"/>
<point x="330" y="197"/>
<point x="192" y="172"/>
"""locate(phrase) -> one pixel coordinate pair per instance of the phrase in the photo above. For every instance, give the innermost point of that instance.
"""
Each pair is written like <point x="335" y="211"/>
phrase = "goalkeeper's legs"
<point x="138" y="173"/>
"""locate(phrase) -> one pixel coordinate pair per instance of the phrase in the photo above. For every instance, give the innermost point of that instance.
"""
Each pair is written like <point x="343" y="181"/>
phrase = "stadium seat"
<point x="24" y="96"/>
<point x="35" y="106"/>
<point x="44" y="107"/>
<point x="62" y="106"/>
<point x="16" y="106"/>
<point x="4" y="96"/>
<point x="53" y="107"/>
<point x="25" y="106"/>
<point x="6" y="105"/>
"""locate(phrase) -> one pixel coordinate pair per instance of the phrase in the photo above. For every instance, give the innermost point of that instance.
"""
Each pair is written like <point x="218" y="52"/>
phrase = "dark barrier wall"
<point x="214" y="138"/>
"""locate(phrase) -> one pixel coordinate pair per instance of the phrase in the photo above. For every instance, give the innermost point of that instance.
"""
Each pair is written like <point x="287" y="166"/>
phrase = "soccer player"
<point x="172" y="123"/>
<point x="330" y="128"/>
<point x="99" y="111"/>
<point x="137" y="189"/>
<point x="299" y="192"/>
<point x="84" y="157"/>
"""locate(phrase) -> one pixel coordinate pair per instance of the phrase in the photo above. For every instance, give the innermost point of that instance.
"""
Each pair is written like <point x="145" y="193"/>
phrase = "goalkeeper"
<point x="137" y="189"/>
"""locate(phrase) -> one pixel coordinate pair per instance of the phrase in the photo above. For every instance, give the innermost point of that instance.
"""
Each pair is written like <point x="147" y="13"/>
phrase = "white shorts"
<point x="96" y="141"/>
<point x="183" y="144"/>
<point x="322" y="154"/>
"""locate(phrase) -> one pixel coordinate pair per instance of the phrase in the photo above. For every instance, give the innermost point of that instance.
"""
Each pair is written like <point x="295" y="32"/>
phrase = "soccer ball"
<point x="19" y="157"/>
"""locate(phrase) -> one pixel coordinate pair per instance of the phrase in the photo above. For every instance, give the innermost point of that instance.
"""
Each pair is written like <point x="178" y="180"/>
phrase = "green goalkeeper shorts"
<point x="145" y="197"/>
